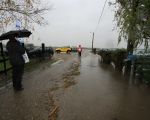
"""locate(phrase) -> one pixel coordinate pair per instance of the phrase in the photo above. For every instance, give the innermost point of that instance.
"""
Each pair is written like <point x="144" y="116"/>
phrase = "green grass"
<point x="2" y="65"/>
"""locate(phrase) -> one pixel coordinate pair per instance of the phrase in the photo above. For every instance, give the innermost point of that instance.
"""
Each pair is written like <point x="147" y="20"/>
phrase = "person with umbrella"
<point x="16" y="54"/>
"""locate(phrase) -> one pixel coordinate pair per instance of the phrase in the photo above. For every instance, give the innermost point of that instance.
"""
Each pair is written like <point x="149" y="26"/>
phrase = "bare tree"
<point x="27" y="11"/>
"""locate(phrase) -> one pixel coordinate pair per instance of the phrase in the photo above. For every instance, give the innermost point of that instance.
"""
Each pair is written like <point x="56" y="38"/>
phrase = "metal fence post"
<point x="3" y="57"/>
<point x="43" y="50"/>
<point x="1" y="47"/>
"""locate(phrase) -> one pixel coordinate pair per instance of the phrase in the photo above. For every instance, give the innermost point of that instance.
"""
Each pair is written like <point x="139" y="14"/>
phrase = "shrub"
<point x="105" y="56"/>
<point x="117" y="57"/>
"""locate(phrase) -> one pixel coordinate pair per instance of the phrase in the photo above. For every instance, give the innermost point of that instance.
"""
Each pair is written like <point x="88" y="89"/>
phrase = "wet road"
<point x="82" y="88"/>
<point x="102" y="94"/>
<point x="35" y="101"/>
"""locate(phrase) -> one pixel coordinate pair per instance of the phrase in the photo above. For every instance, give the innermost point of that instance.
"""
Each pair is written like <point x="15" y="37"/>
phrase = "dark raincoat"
<point x="15" y="52"/>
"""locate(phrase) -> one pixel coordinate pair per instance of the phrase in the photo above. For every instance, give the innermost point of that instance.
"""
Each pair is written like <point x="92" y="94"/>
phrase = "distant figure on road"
<point x="15" y="52"/>
<point x="79" y="49"/>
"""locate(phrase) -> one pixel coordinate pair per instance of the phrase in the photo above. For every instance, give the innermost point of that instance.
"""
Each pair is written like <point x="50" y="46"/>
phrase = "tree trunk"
<point x="128" y="64"/>
<point x="131" y="35"/>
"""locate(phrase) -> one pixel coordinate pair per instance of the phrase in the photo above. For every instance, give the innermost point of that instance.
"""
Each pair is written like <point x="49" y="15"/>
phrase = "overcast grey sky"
<point x="71" y="22"/>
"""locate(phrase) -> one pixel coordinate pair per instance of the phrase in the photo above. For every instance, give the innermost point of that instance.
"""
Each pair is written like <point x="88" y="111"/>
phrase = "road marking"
<point x="57" y="62"/>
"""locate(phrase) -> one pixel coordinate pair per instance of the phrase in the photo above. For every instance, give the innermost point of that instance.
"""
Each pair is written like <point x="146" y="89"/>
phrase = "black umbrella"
<point x="16" y="33"/>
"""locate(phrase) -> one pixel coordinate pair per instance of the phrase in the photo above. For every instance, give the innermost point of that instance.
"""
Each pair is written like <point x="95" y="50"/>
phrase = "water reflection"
<point x="104" y="94"/>
<point x="79" y="59"/>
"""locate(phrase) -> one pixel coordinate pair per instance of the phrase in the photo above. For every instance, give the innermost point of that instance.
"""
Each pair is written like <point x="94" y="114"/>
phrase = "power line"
<point x="101" y="15"/>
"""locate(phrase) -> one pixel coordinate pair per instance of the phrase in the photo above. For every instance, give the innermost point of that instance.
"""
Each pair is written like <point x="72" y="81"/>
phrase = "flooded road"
<point x="35" y="101"/>
<point x="81" y="88"/>
<point x="102" y="94"/>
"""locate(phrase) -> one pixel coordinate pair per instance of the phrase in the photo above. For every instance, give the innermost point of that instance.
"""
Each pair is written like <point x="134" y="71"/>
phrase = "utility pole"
<point x="92" y="41"/>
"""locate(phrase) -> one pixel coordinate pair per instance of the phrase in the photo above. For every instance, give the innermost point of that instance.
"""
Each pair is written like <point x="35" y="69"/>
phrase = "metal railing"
<point x="4" y="61"/>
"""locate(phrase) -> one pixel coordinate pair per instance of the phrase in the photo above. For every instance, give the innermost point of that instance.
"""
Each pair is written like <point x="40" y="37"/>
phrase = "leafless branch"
<point x="11" y="9"/>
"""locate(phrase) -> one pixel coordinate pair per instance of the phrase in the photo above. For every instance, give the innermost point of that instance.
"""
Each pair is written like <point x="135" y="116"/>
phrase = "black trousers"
<point x="17" y="74"/>
<point x="79" y="53"/>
